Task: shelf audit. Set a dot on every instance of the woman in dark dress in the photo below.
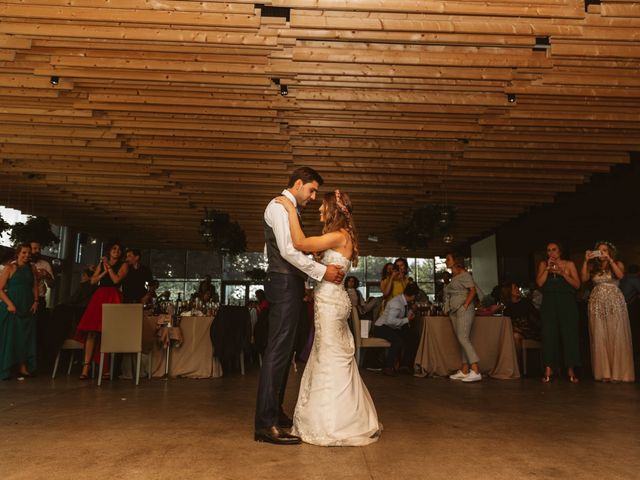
(108, 275)
(525, 319)
(19, 295)
(559, 281)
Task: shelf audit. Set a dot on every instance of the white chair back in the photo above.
(121, 333)
(121, 328)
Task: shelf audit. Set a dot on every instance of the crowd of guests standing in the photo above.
(552, 317)
(28, 334)
(549, 315)
(608, 313)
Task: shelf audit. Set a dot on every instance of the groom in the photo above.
(284, 287)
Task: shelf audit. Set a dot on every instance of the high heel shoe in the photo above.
(573, 379)
(547, 379)
(84, 376)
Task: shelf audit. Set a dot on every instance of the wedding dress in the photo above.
(334, 407)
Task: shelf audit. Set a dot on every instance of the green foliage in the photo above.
(4, 225)
(224, 236)
(256, 274)
(36, 229)
(423, 224)
(374, 266)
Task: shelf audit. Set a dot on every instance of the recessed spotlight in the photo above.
(54, 80)
(511, 97)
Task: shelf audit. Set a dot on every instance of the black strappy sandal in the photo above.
(82, 375)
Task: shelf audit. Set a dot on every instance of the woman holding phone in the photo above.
(609, 329)
(559, 281)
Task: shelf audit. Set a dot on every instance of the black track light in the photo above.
(54, 80)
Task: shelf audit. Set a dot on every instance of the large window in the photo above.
(236, 279)
(181, 271)
(422, 270)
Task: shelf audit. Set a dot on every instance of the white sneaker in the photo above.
(472, 377)
(459, 375)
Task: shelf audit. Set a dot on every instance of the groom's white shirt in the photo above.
(276, 216)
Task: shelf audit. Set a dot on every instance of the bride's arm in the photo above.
(309, 244)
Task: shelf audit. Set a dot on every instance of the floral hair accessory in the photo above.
(341, 205)
(611, 246)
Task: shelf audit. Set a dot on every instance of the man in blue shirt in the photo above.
(393, 325)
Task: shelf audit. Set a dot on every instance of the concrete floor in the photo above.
(434, 429)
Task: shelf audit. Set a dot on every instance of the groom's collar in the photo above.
(290, 196)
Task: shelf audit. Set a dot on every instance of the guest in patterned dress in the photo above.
(609, 329)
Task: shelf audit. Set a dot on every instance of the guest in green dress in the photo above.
(19, 295)
(559, 281)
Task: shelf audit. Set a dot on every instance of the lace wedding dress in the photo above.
(334, 407)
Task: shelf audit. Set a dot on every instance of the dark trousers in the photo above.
(45, 343)
(634, 319)
(394, 336)
(284, 293)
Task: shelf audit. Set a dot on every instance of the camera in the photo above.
(396, 268)
(596, 253)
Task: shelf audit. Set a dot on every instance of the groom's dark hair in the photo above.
(306, 174)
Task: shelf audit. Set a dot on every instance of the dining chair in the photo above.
(371, 342)
(528, 344)
(121, 333)
(231, 334)
(72, 346)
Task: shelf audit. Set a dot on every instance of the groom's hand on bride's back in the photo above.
(334, 274)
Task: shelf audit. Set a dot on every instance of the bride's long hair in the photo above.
(338, 215)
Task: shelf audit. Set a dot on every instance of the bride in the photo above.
(334, 407)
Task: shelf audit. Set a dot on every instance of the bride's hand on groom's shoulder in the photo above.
(285, 202)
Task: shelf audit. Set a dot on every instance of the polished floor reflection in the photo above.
(434, 429)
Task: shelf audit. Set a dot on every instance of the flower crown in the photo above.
(343, 208)
(607, 243)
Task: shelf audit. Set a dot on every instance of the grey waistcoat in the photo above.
(276, 262)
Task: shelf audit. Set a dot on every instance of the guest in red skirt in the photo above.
(108, 275)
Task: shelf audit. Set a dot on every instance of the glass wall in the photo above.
(236, 279)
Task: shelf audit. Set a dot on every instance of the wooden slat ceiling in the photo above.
(166, 107)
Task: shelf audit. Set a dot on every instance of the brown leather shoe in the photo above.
(277, 436)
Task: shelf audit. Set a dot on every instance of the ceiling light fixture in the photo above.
(284, 91)
(511, 97)
(54, 80)
(542, 44)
